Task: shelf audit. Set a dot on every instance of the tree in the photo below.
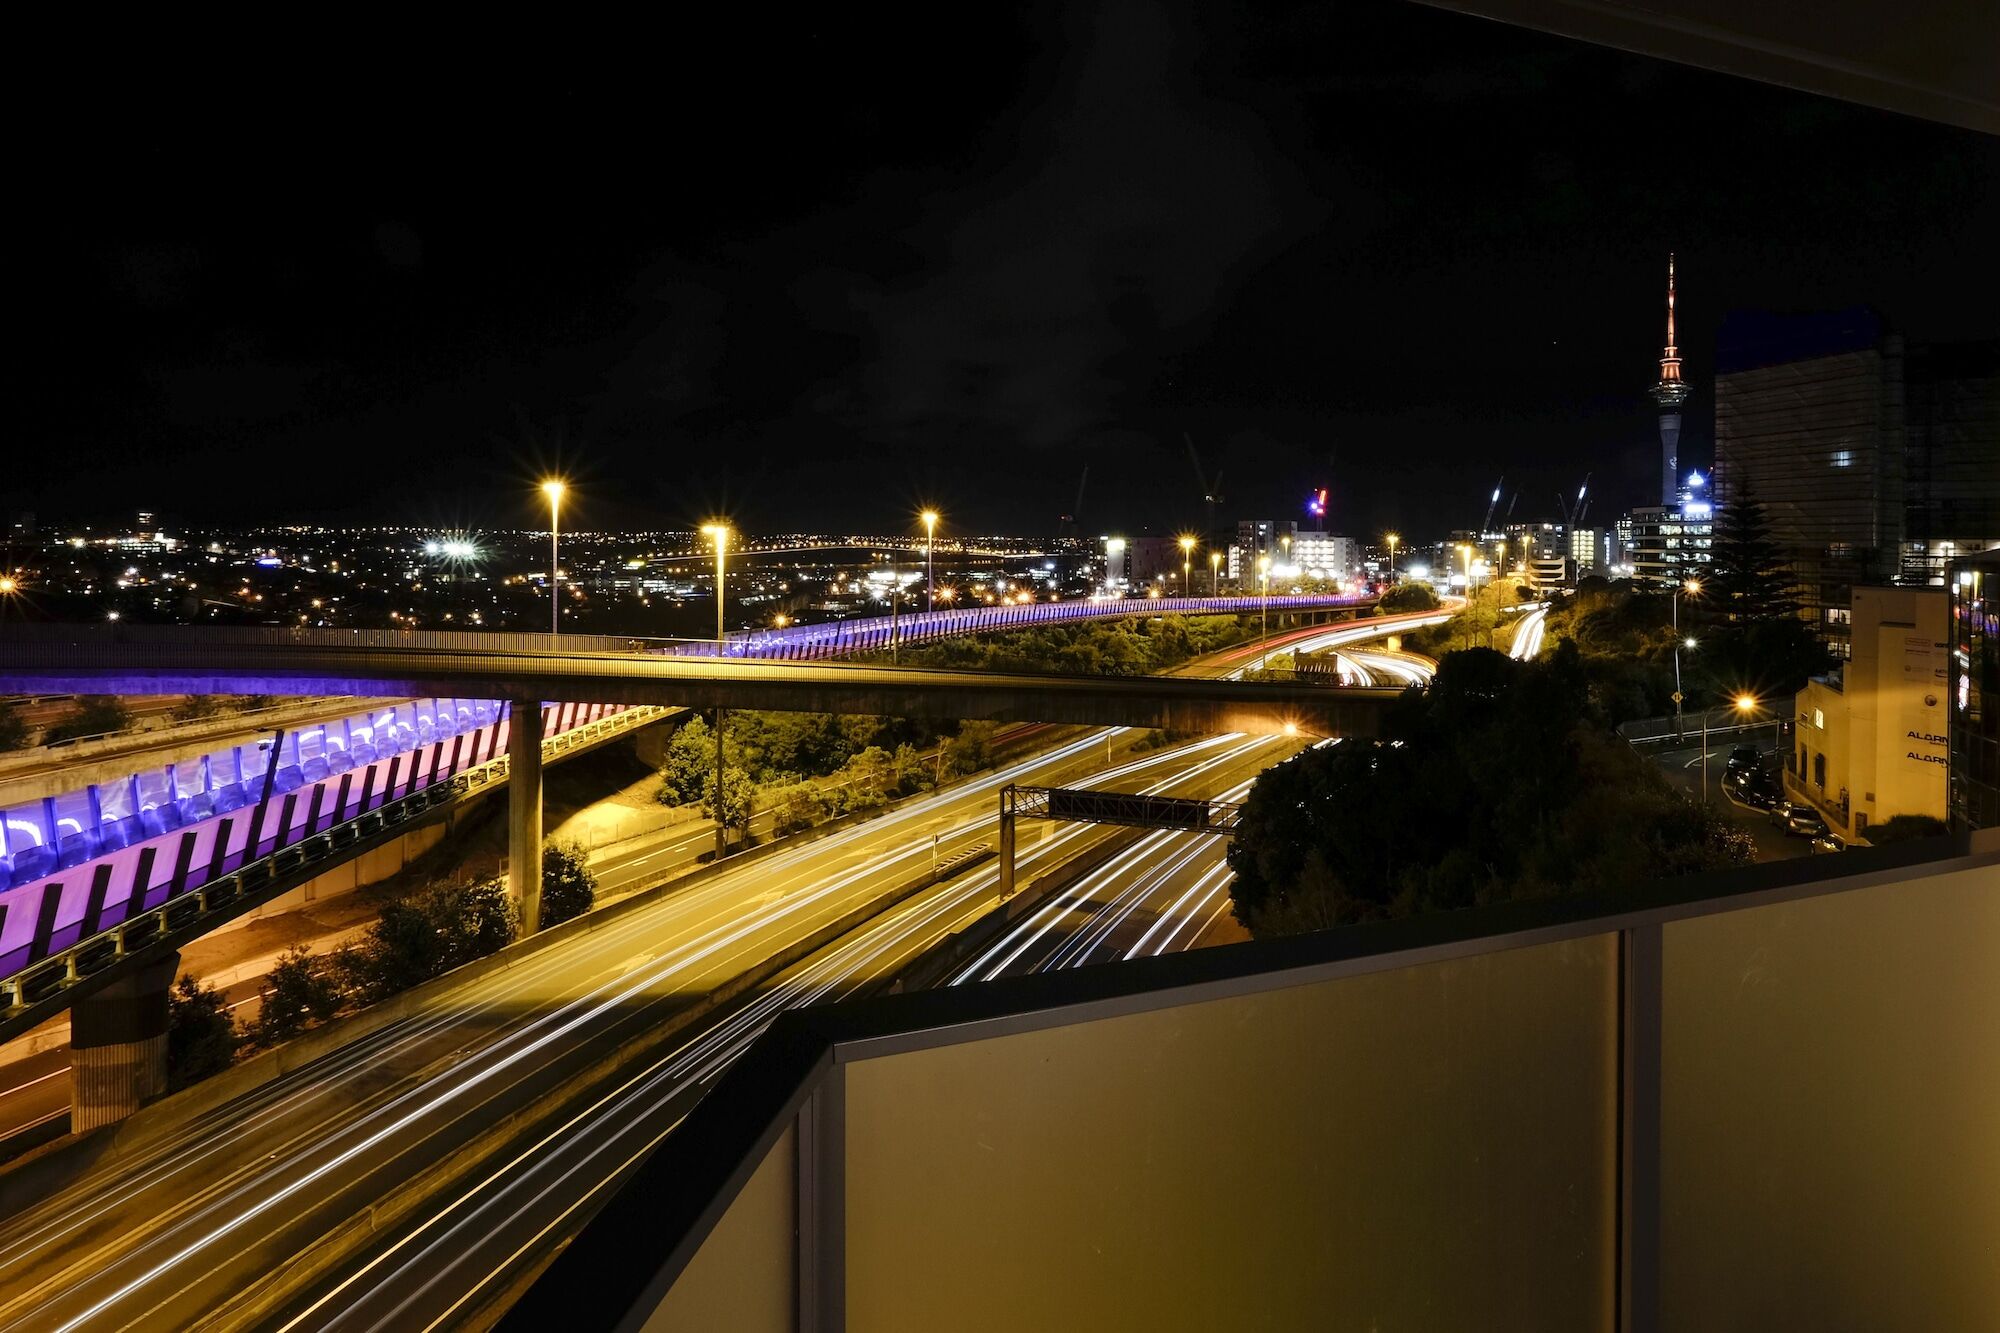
(426, 935)
(739, 798)
(690, 764)
(1424, 819)
(201, 1033)
(13, 729)
(94, 715)
(299, 991)
(568, 888)
(1408, 597)
(797, 807)
(1748, 582)
(196, 707)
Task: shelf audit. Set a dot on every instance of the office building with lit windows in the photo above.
(1875, 462)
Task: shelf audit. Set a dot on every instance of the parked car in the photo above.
(1751, 787)
(1805, 822)
(1783, 810)
(1743, 758)
(1826, 843)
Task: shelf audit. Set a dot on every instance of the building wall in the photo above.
(1873, 746)
(1821, 442)
(1974, 693)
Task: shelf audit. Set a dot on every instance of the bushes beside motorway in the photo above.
(1123, 647)
(1501, 781)
(416, 938)
(807, 767)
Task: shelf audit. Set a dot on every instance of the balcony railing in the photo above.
(1761, 1099)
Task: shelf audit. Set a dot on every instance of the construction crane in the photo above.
(1486, 524)
(1211, 490)
(1573, 513)
(1070, 524)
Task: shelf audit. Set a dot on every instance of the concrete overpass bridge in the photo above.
(106, 929)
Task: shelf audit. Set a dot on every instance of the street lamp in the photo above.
(1214, 572)
(1692, 588)
(719, 534)
(554, 490)
(1187, 565)
(930, 518)
(1393, 539)
(1264, 582)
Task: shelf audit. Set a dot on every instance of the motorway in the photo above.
(412, 1177)
(1529, 633)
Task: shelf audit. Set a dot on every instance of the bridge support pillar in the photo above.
(118, 1046)
(524, 812)
(1007, 841)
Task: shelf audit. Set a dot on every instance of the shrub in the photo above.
(13, 729)
(568, 888)
(201, 1033)
(94, 715)
(299, 992)
(426, 935)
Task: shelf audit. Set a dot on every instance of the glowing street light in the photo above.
(1187, 565)
(1691, 588)
(1393, 540)
(554, 488)
(930, 519)
(1746, 703)
(718, 533)
(1264, 608)
(1214, 571)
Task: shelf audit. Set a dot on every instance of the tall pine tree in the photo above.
(1748, 583)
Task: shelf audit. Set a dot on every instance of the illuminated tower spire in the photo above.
(1669, 394)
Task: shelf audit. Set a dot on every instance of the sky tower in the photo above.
(1670, 393)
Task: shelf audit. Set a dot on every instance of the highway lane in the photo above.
(1529, 634)
(170, 1236)
(474, 1244)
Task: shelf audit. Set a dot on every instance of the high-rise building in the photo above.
(1669, 393)
(1973, 692)
(1669, 544)
(1874, 463)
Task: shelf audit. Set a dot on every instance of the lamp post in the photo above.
(719, 533)
(1264, 606)
(1393, 540)
(1187, 566)
(1214, 572)
(1692, 588)
(930, 518)
(554, 490)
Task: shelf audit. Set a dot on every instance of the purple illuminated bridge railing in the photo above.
(76, 865)
(802, 643)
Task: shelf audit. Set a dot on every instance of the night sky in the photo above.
(812, 277)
